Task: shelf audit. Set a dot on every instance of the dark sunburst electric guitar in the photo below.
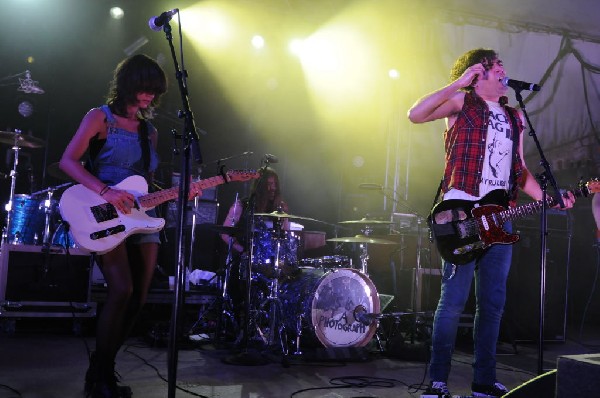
(464, 229)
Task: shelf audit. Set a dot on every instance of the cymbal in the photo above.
(366, 221)
(363, 239)
(54, 171)
(281, 214)
(20, 140)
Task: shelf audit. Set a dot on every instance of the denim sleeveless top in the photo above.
(121, 155)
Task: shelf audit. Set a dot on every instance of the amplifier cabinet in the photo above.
(44, 282)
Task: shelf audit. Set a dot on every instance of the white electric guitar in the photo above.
(99, 227)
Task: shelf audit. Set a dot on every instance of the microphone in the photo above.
(271, 158)
(370, 186)
(364, 317)
(156, 23)
(519, 85)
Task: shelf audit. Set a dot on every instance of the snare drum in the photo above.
(27, 221)
(325, 302)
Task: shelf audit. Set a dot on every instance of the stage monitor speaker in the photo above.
(542, 386)
(578, 376)
(30, 274)
(45, 282)
(523, 286)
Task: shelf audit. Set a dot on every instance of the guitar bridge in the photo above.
(468, 248)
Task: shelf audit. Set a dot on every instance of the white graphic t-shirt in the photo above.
(498, 155)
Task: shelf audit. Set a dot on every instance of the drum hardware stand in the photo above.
(226, 305)
(272, 302)
(247, 357)
(13, 183)
(364, 252)
(48, 210)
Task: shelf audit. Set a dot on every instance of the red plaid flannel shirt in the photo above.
(465, 145)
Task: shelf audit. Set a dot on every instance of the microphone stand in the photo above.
(190, 146)
(544, 178)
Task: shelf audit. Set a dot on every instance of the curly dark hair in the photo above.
(485, 56)
(138, 73)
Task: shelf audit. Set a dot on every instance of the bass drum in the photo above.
(325, 301)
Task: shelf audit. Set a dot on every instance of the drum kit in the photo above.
(323, 301)
(33, 219)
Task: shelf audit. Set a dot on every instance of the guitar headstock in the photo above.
(242, 175)
(592, 186)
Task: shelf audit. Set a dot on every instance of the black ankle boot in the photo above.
(103, 384)
(91, 375)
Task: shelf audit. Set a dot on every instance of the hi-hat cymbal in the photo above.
(54, 171)
(363, 239)
(281, 214)
(366, 221)
(20, 140)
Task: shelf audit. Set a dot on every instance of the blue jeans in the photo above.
(491, 272)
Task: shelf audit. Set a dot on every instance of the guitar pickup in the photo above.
(104, 212)
(107, 232)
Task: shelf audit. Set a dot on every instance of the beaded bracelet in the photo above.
(104, 190)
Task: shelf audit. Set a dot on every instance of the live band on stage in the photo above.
(306, 288)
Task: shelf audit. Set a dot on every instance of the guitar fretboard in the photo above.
(155, 198)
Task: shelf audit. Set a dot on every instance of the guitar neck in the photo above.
(156, 198)
(529, 209)
(534, 207)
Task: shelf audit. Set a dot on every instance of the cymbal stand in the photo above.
(13, 183)
(226, 310)
(272, 302)
(48, 210)
(364, 252)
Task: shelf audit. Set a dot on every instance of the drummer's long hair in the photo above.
(259, 187)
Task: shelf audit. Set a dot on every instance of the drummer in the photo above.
(267, 199)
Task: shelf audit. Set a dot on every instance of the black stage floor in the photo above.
(47, 358)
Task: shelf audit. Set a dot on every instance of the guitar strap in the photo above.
(429, 217)
(144, 143)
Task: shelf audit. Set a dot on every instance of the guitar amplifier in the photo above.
(204, 212)
(35, 282)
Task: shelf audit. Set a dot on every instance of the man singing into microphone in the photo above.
(484, 152)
